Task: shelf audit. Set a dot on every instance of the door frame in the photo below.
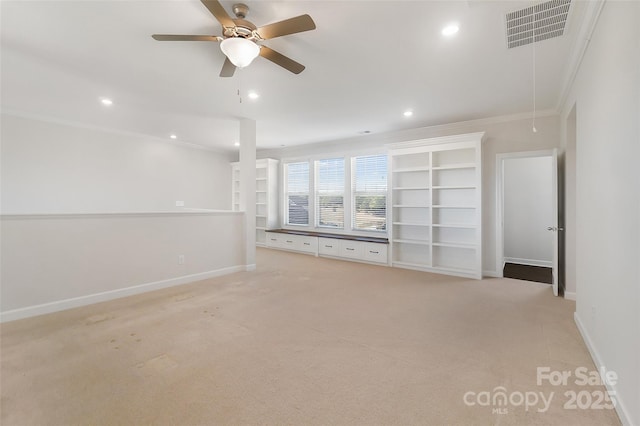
(500, 159)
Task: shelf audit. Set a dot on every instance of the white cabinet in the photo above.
(289, 243)
(329, 247)
(273, 240)
(374, 252)
(363, 251)
(266, 195)
(307, 244)
(436, 204)
(302, 243)
(351, 249)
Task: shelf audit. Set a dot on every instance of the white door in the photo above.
(529, 234)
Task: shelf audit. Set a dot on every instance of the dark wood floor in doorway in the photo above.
(539, 274)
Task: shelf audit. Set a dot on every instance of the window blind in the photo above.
(297, 193)
(369, 183)
(330, 192)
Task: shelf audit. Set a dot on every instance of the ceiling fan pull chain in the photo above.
(533, 44)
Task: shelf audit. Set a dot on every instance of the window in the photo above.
(345, 194)
(369, 183)
(330, 192)
(297, 193)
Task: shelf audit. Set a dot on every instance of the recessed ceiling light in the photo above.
(253, 95)
(106, 101)
(408, 113)
(236, 144)
(450, 29)
(173, 137)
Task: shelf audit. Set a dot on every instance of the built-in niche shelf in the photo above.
(266, 196)
(436, 205)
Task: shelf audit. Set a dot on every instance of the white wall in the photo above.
(528, 210)
(606, 93)
(54, 262)
(56, 168)
(570, 205)
(503, 135)
(68, 235)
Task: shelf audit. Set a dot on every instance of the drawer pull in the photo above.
(350, 249)
(328, 246)
(307, 244)
(289, 241)
(273, 239)
(374, 252)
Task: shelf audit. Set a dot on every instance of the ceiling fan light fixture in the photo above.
(240, 51)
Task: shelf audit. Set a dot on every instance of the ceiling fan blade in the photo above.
(218, 11)
(280, 59)
(288, 26)
(227, 68)
(173, 37)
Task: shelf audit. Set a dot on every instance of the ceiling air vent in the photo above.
(550, 19)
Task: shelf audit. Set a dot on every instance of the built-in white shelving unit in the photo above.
(266, 195)
(436, 205)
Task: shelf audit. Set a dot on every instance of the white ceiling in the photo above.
(367, 62)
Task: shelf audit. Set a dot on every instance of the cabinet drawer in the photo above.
(289, 242)
(351, 249)
(374, 252)
(329, 246)
(274, 240)
(307, 244)
(301, 243)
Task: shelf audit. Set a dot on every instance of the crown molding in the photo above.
(69, 123)
(579, 48)
(466, 137)
(394, 136)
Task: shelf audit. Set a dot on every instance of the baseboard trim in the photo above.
(250, 268)
(569, 295)
(491, 274)
(620, 408)
(61, 305)
(529, 262)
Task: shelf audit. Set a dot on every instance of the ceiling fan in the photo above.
(240, 38)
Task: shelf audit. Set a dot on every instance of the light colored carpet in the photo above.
(300, 341)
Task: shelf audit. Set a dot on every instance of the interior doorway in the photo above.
(527, 228)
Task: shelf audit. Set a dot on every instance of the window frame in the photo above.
(348, 198)
(286, 218)
(355, 193)
(341, 193)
